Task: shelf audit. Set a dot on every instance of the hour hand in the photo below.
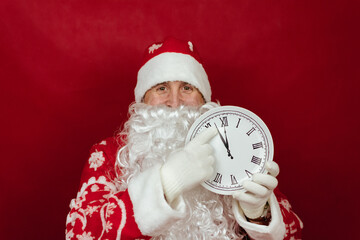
(226, 139)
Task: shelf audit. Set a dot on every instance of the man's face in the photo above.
(174, 94)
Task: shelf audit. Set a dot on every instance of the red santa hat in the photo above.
(172, 60)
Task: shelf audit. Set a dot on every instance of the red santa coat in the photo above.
(100, 211)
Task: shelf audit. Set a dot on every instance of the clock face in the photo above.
(242, 147)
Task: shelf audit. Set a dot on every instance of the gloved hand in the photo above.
(186, 168)
(258, 191)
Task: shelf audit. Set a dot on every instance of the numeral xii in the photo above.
(224, 122)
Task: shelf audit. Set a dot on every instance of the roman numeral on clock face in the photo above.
(237, 125)
(224, 122)
(249, 174)
(207, 125)
(233, 180)
(256, 160)
(257, 145)
(218, 178)
(250, 131)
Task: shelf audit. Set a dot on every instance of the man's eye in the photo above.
(161, 88)
(188, 88)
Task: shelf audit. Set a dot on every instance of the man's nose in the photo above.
(174, 99)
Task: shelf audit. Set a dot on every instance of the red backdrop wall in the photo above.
(68, 70)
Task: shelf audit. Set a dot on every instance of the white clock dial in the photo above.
(242, 147)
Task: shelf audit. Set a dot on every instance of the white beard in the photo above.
(150, 135)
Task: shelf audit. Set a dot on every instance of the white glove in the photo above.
(258, 191)
(186, 168)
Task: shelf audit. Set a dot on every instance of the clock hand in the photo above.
(222, 139)
(225, 143)
(226, 139)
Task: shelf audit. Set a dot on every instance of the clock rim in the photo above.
(255, 119)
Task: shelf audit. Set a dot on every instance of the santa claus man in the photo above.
(145, 182)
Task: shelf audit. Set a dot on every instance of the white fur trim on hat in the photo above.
(171, 66)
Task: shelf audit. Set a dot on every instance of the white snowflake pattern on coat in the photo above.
(285, 203)
(108, 226)
(110, 209)
(78, 201)
(69, 235)
(81, 197)
(85, 236)
(91, 209)
(291, 228)
(96, 159)
(94, 188)
(114, 216)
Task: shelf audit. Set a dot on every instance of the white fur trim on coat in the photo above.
(170, 66)
(274, 231)
(152, 213)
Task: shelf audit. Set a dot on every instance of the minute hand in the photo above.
(226, 144)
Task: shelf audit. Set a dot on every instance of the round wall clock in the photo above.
(242, 147)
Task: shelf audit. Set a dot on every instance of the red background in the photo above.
(68, 70)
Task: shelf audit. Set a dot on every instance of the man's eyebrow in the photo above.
(186, 83)
(159, 84)
(163, 83)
